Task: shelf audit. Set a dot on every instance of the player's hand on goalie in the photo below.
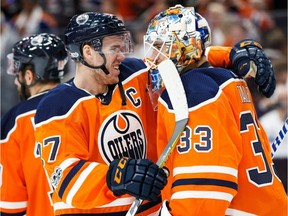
(140, 178)
(248, 59)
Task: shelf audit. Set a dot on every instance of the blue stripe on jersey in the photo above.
(130, 66)
(58, 101)
(13, 214)
(69, 176)
(9, 119)
(201, 84)
(205, 181)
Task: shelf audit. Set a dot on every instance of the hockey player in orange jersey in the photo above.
(222, 162)
(97, 119)
(89, 127)
(37, 62)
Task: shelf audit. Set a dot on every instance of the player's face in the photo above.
(112, 48)
(155, 52)
(159, 52)
(16, 82)
(20, 78)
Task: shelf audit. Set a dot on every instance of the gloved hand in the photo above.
(248, 59)
(140, 178)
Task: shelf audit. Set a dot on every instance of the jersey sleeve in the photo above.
(21, 190)
(66, 150)
(14, 197)
(218, 56)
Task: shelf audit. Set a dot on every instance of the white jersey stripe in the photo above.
(79, 182)
(234, 212)
(13, 205)
(66, 163)
(202, 195)
(205, 169)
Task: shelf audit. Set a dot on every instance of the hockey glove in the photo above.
(248, 59)
(140, 178)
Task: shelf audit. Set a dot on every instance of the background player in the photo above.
(37, 62)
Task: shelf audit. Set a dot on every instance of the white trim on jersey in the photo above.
(205, 169)
(13, 205)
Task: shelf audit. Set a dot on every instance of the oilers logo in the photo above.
(122, 135)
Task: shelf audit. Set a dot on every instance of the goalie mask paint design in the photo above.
(177, 33)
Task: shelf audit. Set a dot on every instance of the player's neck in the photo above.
(90, 85)
(38, 88)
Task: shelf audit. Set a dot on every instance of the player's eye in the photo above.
(116, 50)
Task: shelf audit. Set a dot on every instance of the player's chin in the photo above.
(113, 80)
(116, 71)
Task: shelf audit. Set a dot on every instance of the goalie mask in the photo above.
(177, 33)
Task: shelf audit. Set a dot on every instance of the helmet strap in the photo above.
(122, 93)
(103, 67)
(105, 70)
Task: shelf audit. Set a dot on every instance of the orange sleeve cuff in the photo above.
(218, 56)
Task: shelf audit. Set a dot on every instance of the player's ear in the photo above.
(91, 56)
(29, 77)
(87, 51)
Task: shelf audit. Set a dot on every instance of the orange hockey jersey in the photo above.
(16, 197)
(24, 183)
(222, 163)
(80, 134)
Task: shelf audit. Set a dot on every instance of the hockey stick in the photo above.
(279, 138)
(175, 89)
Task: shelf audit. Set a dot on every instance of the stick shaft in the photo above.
(279, 138)
(177, 96)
